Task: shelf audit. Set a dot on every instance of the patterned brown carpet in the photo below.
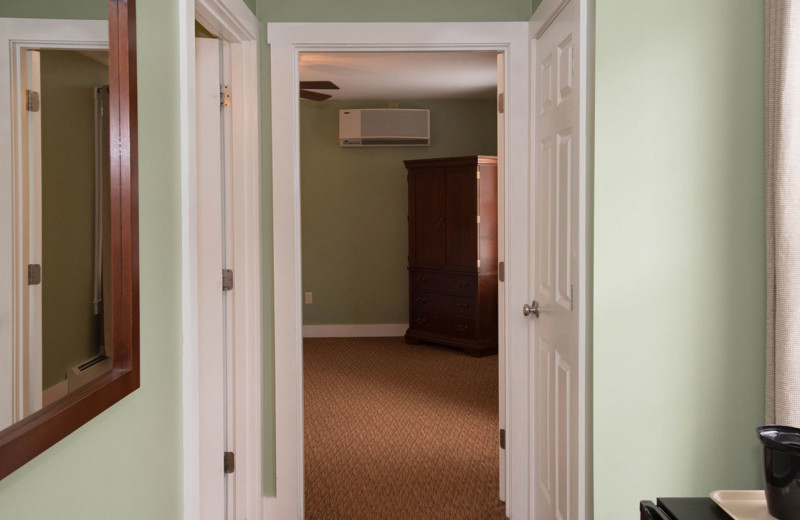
(396, 431)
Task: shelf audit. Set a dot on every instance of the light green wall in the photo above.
(60, 9)
(355, 206)
(324, 11)
(126, 463)
(679, 298)
(392, 11)
(69, 326)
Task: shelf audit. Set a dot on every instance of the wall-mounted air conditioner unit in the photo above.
(384, 127)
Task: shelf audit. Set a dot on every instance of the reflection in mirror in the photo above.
(74, 281)
(56, 338)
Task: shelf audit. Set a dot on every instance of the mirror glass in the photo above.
(57, 337)
(75, 220)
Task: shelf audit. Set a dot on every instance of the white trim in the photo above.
(269, 509)
(375, 330)
(545, 13)
(16, 36)
(287, 40)
(235, 23)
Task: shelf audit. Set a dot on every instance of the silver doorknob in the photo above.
(533, 308)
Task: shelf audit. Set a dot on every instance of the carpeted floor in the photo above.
(396, 431)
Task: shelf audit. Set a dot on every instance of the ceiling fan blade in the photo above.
(313, 96)
(319, 85)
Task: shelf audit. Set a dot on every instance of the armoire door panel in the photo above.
(461, 228)
(429, 209)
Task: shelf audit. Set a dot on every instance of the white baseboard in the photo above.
(55, 392)
(378, 330)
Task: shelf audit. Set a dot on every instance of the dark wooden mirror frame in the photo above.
(24, 440)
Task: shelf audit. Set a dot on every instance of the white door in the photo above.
(554, 335)
(501, 288)
(29, 364)
(215, 303)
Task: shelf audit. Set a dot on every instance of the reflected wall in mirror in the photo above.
(68, 230)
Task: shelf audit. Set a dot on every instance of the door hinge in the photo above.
(478, 174)
(227, 279)
(501, 103)
(228, 463)
(479, 263)
(479, 219)
(34, 274)
(32, 101)
(502, 439)
(501, 271)
(224, 96)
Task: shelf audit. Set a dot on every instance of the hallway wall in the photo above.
(126, 463)
(679, 292)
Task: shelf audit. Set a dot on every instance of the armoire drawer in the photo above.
(444, 303)
(442, 324)
(434, 281)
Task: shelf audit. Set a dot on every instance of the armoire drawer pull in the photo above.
(422, 279)
(462, 327)
(422, 299)
(463, 306)
(422, 321)
(463, 284)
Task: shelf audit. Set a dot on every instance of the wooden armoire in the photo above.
(452, 252)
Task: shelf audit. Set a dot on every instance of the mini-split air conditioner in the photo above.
(384, 127)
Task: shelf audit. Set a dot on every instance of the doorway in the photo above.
(357, 222)
(288, 336)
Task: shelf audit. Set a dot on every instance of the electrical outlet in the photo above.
(308, 298)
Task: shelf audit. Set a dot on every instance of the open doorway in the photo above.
(390, 405)
(286, 42)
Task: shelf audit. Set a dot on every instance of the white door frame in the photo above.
(541, 19)
(232, 21)
(287, 41)
(17, 35)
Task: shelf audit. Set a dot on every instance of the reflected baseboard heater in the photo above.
(89, 370)
(365, 127)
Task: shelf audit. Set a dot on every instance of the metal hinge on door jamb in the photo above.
(229, 462)
(224, 96)
(34, 274)
(227, 279)
(502, 438)
(32, 101)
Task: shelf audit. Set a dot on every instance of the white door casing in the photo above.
(287, 41)
(233, 22)
(558, 343)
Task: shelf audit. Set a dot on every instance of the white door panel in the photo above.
(555, 332)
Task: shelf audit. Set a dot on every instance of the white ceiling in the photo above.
(404, 75)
